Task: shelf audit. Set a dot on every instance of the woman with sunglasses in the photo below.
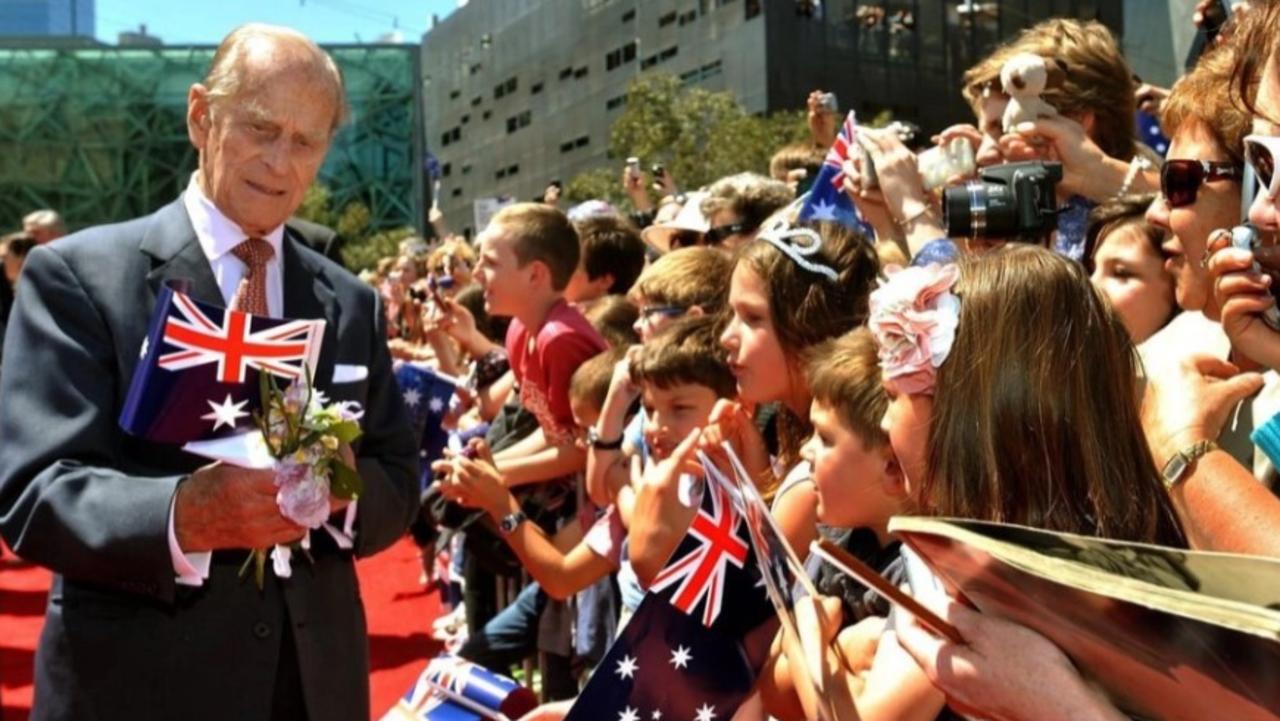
(1200, 182)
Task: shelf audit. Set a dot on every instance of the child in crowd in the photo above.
(527, 255)
(796, 286)
(688, 282)
(1122, 254)
(610, 259)
(680, 374)
(859, 488)
(1003, 419)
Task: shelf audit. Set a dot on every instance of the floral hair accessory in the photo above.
(914, 316)
(781, 234)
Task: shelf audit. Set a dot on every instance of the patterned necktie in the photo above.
(251, 295)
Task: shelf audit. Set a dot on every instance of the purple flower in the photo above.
(303, 496)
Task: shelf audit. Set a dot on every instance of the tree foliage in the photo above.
(362, 247)
(697, 134)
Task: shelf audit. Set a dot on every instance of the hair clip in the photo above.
(780, 235)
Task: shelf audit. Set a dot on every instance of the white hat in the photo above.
(689, 219)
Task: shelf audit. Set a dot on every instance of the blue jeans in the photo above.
(511, 636)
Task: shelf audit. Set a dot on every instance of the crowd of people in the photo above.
(1086, 381)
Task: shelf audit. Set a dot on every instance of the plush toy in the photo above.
(1024, 77)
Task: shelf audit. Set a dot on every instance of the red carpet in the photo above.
(399, 615)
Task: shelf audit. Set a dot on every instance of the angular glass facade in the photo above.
(99, 134)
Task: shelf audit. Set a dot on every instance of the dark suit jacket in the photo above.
(121, 639)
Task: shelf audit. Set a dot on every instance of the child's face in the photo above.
(585, 415)
(858, 486)
(673, 413)
(907, 422)
(499, 274)
(653, 317)
(755, 355)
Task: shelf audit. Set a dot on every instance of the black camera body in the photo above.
(1015, 201)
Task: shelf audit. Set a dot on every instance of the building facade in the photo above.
(43, 18)
(100, 134)
(522, 92)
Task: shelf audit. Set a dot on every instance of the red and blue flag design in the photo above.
(827, 200)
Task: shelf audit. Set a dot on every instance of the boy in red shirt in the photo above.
(527, 256)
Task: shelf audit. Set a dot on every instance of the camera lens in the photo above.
(965, 209)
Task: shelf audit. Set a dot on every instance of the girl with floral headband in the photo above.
(1013, 399)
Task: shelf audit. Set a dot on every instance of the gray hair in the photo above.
(751, 196)
(46, 218)
(226, 77)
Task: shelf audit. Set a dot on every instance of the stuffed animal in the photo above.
(1024, 77)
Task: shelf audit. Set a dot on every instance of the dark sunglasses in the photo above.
(717, 234)
(1180, 180)
(684, 239)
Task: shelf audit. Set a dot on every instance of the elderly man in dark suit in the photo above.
(148, 617)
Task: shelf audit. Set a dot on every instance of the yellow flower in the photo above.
(329, 442)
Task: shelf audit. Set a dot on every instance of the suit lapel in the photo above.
(308, 295)
(176, 255)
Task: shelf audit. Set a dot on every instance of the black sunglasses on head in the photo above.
(717, 234)
(1180, 180)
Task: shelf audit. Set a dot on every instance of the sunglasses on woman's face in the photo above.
(1180, 180)
(1260, 153)
(684, 239)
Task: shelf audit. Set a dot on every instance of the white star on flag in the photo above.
(706, 712)
(656, 715)
(629, 714)
(681, 657)
(225, 413)
(411, 397)
(436, 405)
(823, 211)
(627, 667)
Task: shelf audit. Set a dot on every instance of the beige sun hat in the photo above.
(689, 219)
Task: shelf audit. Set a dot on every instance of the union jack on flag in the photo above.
(699, 576)
(233, 345)
(826, 199)
(197, 372)
(451, 689)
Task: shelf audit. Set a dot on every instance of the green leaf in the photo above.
(345, 483)
(346, 431)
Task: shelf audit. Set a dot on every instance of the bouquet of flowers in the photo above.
(307, 435)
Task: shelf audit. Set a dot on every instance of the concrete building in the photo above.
(44, 18)
(521, 92)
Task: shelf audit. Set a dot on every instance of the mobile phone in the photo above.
(1246, 237)
(828, 102)
(633, 167)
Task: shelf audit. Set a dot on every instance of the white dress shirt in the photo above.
(218, 235)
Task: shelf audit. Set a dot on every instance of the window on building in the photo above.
(566, 73)
(648, 62)
(615, 102)
(688, 17)
(667, 19)
(476, 101)
(566, 146)
(537, 88)
(457, 192)
(446, 169)
(628, 16)
(476, 68)
(751, 9)
(513, 170)
(516, 122)
(486, 115)
(669, 53)
(629, 52)
(612, 60)
(582, 142)
(581, 72)
(453, 94)
(466, 169)
(502, 173)
(512, 125)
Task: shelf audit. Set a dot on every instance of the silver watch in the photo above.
(511, 522)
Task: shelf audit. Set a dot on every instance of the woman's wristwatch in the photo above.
(1175, 471)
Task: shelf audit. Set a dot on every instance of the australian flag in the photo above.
(1150, 133)
(426, 394)
(198, 373)
(687, 653)
(451, 689)
(827, 199)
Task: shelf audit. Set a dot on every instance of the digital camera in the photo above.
(1015, 201)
